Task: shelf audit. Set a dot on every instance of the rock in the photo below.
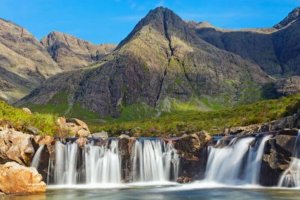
(103, 135)
(74, 127)
(82, 141)
(72, 53)
(17, 179)
(276, 158)
(184, 179)
(125, 150)
(27, 110)
(193, 152)
(32, 130)
(16, 146)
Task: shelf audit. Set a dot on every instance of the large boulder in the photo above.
(16, 146)
(17, 179)
(74, 127)
(193, 152)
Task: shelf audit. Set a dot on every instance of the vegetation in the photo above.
(171, 118)
(181, 121)
(21, 120)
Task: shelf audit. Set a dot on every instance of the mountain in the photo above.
(72, 53)
(24, 62)
(275, 50)
(163, 58)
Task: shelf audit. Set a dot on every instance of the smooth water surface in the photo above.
(179, 192)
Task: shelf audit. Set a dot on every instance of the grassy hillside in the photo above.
(185, 120)
(172, 118)
(21, 120)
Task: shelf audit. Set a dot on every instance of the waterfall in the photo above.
(37, 156)
(291, 176)
(153, 160)
(237, 163)
(65, 163)
(100, 162)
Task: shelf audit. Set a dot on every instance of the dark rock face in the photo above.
(275, 50)
(288, 86)
(276, 159)
(125, 150)
(193, 152)
(292, 17)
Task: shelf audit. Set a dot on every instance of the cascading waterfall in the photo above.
(154, 160)
(99, 162)
(102, 164)
(37, 156)
(291, 176)
(65, 163)
(228, 164)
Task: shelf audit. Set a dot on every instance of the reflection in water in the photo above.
(166, 193)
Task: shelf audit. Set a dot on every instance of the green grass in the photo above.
(172, 117)
(59, 105)
(188, 121)
(19, 119)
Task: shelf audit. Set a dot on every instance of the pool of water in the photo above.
(193, 191)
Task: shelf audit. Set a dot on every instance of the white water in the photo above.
(65, 163)
(227, 164)
(37, 156)
(102, 164)
(154, 161)
(291, 176)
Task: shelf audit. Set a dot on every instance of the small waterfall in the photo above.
(154, 160)
(37, 156)
(102, 164)
(228, 164)
(291, 176)
(254, 161)
(65, 163)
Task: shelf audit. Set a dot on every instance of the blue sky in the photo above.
(109, 21)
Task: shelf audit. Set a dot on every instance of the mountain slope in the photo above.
(24, 62)
(72, 53)
(275, 49)
(161, 59)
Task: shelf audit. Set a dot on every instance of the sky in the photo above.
(110, 21)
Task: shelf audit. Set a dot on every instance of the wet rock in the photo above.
(74, 127)
(82, 141)
(16, 146)
(125, 150)
(193, 152)
(17, 179)
(276, 158)
(184, 179)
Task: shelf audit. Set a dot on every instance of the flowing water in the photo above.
(291, 177)
(238, 163)
(95, 172)
(36, 159)
(153, 160)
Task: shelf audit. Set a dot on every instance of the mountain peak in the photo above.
(292, 17)
(159, 18)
